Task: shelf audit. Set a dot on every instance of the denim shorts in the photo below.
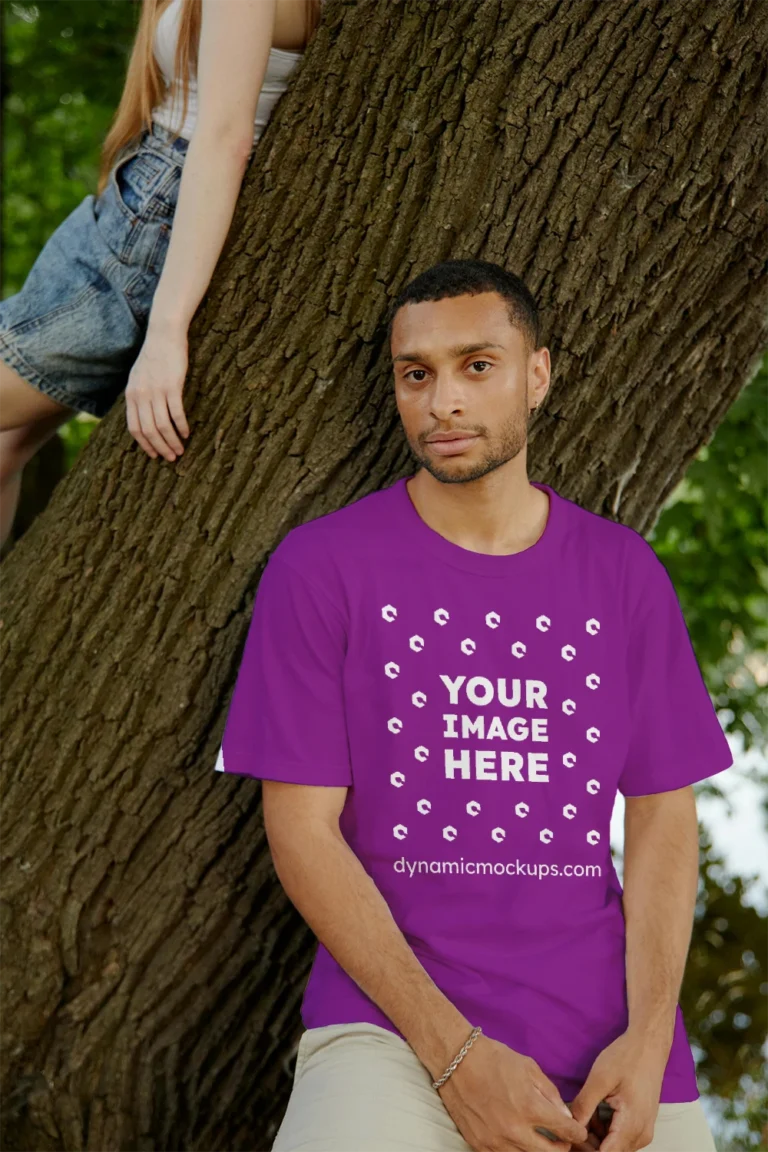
(78, 323)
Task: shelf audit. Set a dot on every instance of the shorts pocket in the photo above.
(139, 238)
(126, 157)
(146, 186)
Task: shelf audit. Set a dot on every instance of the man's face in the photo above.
(460, 366)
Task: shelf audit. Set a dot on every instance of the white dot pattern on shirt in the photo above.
(468, 646)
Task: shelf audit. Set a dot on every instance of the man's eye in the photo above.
(423, 371)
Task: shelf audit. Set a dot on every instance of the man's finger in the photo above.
(560, 1121)
(587, 1099)
(623, 1132)
(560, 1136)
(548, 1090)
(592, 1142)
(555, 1125)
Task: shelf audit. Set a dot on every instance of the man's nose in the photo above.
(447, 398)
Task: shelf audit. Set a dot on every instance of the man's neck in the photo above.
(498, 514)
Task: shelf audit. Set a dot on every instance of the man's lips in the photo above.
(451, 443)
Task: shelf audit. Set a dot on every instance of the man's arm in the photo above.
(339, 901)
(661, 868)
(495, 1093)
(661, 863)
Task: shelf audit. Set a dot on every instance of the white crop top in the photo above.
(280, 63)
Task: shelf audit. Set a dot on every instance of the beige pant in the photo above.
(361, 1088)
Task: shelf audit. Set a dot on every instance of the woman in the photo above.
(108, 302)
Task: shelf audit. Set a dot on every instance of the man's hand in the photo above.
(498, 1098)
(627, 1075)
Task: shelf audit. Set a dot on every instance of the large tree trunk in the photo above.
(610, 154)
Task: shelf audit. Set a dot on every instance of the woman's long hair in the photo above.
(145, 85)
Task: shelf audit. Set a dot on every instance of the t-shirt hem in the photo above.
(312, 1018)
(677, 1089)
(652, 788)
(298, 774)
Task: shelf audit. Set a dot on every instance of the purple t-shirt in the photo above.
(482, 710)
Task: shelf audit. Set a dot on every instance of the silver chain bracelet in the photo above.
(457, 1059)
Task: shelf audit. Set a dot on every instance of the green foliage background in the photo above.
(63, 68)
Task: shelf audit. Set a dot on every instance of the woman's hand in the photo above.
(153, 393)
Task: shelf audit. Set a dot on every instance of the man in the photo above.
(443, 686)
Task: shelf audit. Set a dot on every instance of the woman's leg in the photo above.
(27, 419)
(22, 404)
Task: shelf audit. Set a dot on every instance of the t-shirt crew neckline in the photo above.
(484, 563)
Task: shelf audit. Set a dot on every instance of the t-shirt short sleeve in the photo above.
(286, 719)
(675, 736)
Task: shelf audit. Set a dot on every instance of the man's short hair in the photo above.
(462, 277)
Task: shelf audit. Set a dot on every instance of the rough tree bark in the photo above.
(612, 155)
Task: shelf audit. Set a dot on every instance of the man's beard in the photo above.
(511, 440)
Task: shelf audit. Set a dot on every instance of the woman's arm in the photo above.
(235, 39)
